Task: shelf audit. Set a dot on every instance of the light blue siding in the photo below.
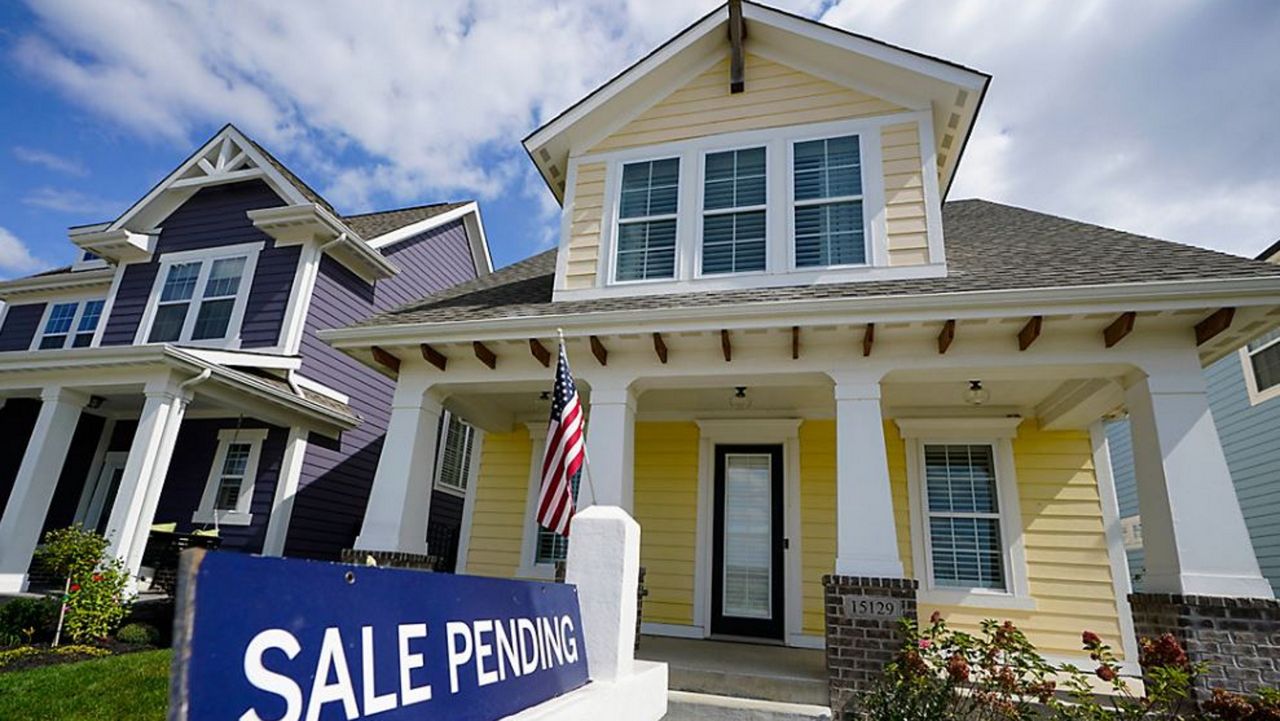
(1251, 439)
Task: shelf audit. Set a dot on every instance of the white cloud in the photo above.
(15, 257)
(72, 201)
(50, 161)
(1134, 114)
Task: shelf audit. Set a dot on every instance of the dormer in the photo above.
(757, 149)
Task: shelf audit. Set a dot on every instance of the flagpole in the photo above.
(586, 457)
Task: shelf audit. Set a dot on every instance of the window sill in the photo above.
(963, 597)
(451, 490)
(222, 518)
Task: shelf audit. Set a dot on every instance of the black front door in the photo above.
(747, 583)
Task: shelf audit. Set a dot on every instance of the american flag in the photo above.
(565, 452)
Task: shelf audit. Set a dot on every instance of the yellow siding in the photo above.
(1068, 566)
(497, 523)
(818, 510)
(775, 96)
(666, 506)
(584, 226)
(904, 194)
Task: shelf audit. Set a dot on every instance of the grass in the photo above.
(132, 686)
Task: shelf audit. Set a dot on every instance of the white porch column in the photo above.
(144, 472)
(35, 483)
(1194, 535)
(400, 501)
(295, 449)
(866, 538)
(611, 425)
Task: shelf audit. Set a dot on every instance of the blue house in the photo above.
(170, 382)
(1244, 395)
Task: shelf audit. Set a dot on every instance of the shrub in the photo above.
(26, 620)
(10, 655)
(138, 634)
(96, 599)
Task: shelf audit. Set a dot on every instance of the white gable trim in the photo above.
(470, 216)
(233, 150)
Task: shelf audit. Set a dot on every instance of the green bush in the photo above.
(27, 620)
(97, 599)
(138, 634)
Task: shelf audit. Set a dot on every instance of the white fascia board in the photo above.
(469, 213)
(246, 359)
(1164, 295)
(71, 280)
(351, 249)
(119, 244)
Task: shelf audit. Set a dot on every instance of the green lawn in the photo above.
(134, 686)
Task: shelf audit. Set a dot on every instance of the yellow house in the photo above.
(813, 379)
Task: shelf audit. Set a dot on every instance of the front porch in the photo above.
(146, 444)
(775, 471)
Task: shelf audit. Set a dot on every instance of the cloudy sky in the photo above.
(1155, 116)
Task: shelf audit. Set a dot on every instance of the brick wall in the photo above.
(861, 645)
(390, 559)
(1239, 638)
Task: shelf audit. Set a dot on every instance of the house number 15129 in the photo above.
(872, 607)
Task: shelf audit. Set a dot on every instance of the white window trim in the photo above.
(1257, 396)
(80, 302)
(700, 217)
(780, 268)
(241, 516)
(439, 484)
(874, 254)
(207, 257)
(998, 433)
(616, 219)
(529, 567)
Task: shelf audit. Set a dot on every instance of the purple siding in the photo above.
(213, 217)
(189, 472)
(336, 476)
(20, 326)
(18, 419)
(75, 471)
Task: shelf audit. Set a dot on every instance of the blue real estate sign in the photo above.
(260, 639)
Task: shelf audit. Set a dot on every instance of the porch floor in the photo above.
(741, 670)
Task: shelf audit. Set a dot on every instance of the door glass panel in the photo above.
(748, 536)
(104, 514)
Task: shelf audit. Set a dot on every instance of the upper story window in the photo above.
(1262, 366)
(70, 325)
(734, 212)
(647, 213)
(200, 296)
(827, 186)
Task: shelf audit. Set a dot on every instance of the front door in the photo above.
(105, 487)
(747, 584)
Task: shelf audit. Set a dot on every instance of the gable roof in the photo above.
(954, 92)
(990, 247)
(372, 225)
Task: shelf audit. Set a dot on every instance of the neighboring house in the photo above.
(1244, 393)
(797, 360)
(172, 376)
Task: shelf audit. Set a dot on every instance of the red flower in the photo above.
(97, 578)
(1165, 651)
(75, 587)
(935, 617)
(1090, 639)
(1106, 673)
(958, 668)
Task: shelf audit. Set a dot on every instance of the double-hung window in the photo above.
(647, 208)
(827, 193)
(962, 511)
(454, 466)
(228, 492)
(199, 298)
(1263, 363)
(734, 212)
(71, 324)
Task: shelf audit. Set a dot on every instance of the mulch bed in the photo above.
(46, 655)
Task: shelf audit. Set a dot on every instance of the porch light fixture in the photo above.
(976, 395)
(740, 401)
(95, 402)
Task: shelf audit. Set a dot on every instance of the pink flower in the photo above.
(925, 643)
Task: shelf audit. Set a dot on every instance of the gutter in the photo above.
(968, 304)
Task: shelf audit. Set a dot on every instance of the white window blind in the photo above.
(964, 516)
(647, 220)
(827, 184)
(734, 212)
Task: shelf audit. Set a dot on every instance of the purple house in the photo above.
(170, 382)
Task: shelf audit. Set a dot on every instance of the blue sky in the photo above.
(1152, 116)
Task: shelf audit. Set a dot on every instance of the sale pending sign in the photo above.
(267, 639)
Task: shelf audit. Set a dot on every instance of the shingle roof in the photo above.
(306, 190)
(989, 247)
(371, 225)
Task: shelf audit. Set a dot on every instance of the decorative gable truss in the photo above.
(226, 162)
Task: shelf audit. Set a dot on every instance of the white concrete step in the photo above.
(690, 706)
